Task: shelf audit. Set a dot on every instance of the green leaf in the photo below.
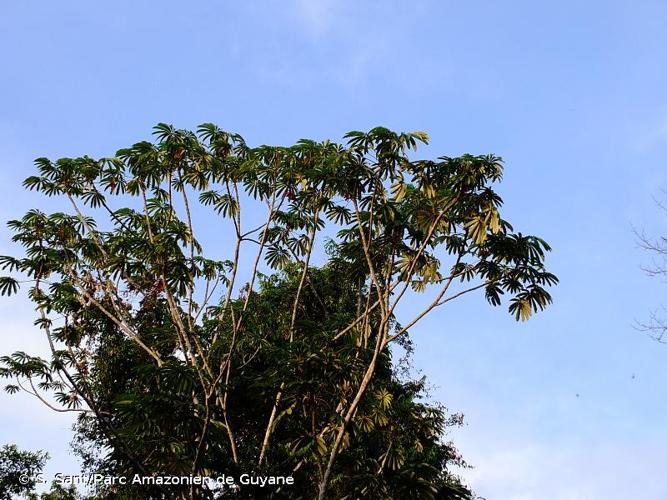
(8, 286)
(9, 262)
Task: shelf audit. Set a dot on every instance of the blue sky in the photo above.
(571, 94)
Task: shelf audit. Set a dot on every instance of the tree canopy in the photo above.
(217, 308)
(19, 470)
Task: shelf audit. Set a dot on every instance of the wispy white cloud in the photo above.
(335, 39)
(317, 16)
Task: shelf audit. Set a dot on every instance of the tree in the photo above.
(186, 361)
(58, 492)
(19, 470)
(656, 326)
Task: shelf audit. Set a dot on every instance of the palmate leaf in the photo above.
(209, 197)
(398, 190)
(33, 182)
(94, 199)
(226, 205)
(477, 228)
(339, 214)
(9, 263)
(299, 246)
(365, 423)
(384, 398)
(68, 399)
(12, 389)
(493, 291)
(277, 257)
(521, 308)
(393, 458)
(420, 136)
(8, 285)
(419, 285)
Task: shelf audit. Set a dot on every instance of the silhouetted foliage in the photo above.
(19, 470)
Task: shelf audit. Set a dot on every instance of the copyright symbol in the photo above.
(24, 479)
